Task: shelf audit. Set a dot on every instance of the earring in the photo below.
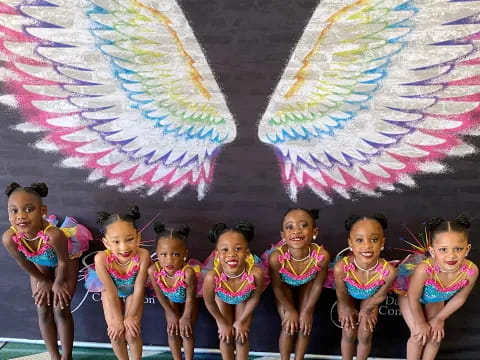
(44, 216)
(314, 237)
(185, 258)
(381, 249)
(350, 248)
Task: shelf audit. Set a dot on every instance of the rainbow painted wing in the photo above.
(120, 87)
(374, 92)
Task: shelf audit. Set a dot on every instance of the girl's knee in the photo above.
(62, 314)
(364, 337)
(349, 336)
(131, 339)
(45, 313)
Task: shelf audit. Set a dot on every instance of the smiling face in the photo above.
(449, 249)
(25, 211)
(171, 253)
(232, 251)
(366, 240)
(122, 239)
(298, 229)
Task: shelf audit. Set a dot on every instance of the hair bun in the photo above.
(314, 213)
(463, 220)
(382, 219)
(11, 188)
(102, 216)
(246, 228)
(158, 227)
(215, 232)
(134, 212)
(40, 188)
(352, 219)
(183, 229)
(433, 222)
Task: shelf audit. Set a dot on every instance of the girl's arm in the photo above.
(134, 314)
(451, 306)
(185, 321)
(290, 317)
(372, 302)
(241, 331)
(347, 313)
(111, 302)
(61, 294)
(415, 290)
(44, 284)
(170, 315)
(306, 313)
(225, 330)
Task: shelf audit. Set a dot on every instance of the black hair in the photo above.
(38, 189)
(312, 212)
(244, 228)
(436, 225)
(180, 233)
(104, 218)
(352, 220)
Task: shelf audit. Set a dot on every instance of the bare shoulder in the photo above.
(257, 271)
(209, 277)
(273, 258)
(55, 234)
(7, 237)
(392, 269)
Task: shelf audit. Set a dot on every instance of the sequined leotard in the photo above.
(287, 272)
(355, 287)
(226, 293)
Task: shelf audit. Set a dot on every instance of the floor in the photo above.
(20, 351)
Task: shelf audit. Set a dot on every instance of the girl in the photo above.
(174, 282)
(298, 267)
(41, 250)
(365, 276)
(121, 273)
(445, 275)
(232, 289)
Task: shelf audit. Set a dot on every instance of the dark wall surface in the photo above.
(247, 44)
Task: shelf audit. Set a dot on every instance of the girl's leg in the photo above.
(227, 349)
(414, 348)
(46, 322)
(347, 344)
(302, 339)
(189, 343)
(432, 347)
(135, 343)
(64, 316)
(174, 341)
(364, 339)
(242, 348)
(285, 341)
(119, 345)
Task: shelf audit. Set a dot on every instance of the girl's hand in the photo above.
(61, 295)
(290, 322)
(115, 329)
(422, 332)
(132, 326)
(368, 319)
(347, 316)
(305, 321)
(437, 330)
(225, 332)
(185, 324)
(173, 328)
(43, 293)
(241, 331)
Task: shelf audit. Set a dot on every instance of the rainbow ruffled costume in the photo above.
(223, 289)
(124, 281)
(288, 274)
(355, 287)
(77, 235)
(176, 293)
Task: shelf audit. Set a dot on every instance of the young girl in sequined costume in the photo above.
(446, 275)
(120, 273)
(42, 250)
(232, 289)
(298, 268)
(365, 276)
(174, 281)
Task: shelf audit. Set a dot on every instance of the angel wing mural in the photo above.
(375, 92)
(119, 87)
